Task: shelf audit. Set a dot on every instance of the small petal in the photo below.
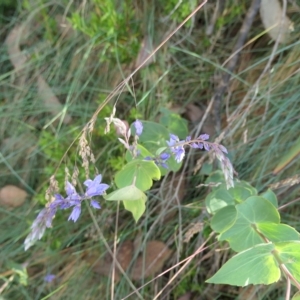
(179, 154)
(164, 165)
(196, 145)
(206, 146)
(89, 182)
(75, 213)
(70, 189)
(188, 138)
(50, 216)
(124, 143)
(203, 137)
(138, 127)
(174, 137)
(165, 156)
(95, 204)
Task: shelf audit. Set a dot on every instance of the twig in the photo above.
(288, 289)
(221, 88)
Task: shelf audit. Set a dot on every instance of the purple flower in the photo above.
(60, 201)
(49, 277)
(173, 140)
(95, 187)
(76, 211)
(164, 165)
(206, 146)
(95, 204)
(71, 192)
(38, 227)
(164, 156)
(138, 127)
(197, 145)
(179, 153)
(73, 199)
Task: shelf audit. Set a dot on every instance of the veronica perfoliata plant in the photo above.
(250, 223)
(152, 151)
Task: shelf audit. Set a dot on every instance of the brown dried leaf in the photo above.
(271, 16)
(194, 113)
(104, 265)
(195, 228)
(147, 264)
(186, 296)
(152, 261)
(50, 100)
(12, 196)
(19, 59)
(16, 56)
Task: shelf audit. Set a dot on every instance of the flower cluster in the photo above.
(177, 148)
(73, 200)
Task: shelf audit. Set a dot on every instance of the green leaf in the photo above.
(174, 123)
(256, 265)
(154, 136)
(21, 271)
(218, 199)
(133, 198)
(160, 150)
(289, 253)
(241, 191)
(137, 208)
(270, 196)
(139, 172)
(278, 232)
(243, 233)
(224, 218)
(206, 169)
(129, 193)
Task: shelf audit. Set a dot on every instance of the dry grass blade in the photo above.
(19, 59)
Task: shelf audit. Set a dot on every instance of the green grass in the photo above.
(34, 138)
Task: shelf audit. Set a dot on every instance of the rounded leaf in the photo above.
(243, 233)
(223, 219)
(289, 253)
(256, 265)
(278, 232)
(129, 193)
(270, 196)
(218, 199)
(138, 172)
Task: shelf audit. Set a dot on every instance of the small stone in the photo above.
(12, 196)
